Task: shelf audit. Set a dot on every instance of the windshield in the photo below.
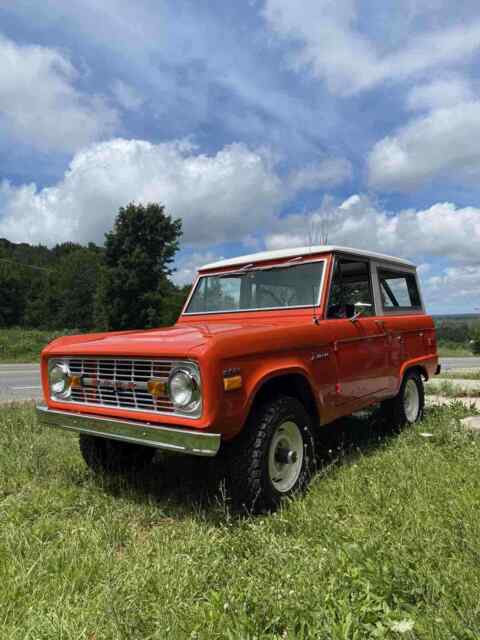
(262, 288)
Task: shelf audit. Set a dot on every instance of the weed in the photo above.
(386, 544)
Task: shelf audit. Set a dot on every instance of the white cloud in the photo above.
(187, 266)
(220, 197)
(442, 230)
(328, 41)
(442, 92)
(327, 173)
(442, 233)
(453, 289)
(444, 140)
(40, 105)
(127, 96)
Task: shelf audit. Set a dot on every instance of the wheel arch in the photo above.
(289, 383)
(408, 367)
(421, 369)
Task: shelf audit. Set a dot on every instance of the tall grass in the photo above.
(386, 544)
(460, 375)
(25, 345)
(453, 349)
(449, 389)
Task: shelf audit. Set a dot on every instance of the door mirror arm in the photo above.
(356, 316)
(361, 306)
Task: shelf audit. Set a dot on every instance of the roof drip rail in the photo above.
(280, 254)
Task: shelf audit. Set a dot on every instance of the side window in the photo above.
(351, 290)
(398, 290)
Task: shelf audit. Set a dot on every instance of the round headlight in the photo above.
(59, 379)
(183, 389)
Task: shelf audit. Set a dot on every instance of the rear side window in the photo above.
(399, 291)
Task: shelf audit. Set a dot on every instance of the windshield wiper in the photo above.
(251, 267)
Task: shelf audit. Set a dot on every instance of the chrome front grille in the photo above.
(119, 382)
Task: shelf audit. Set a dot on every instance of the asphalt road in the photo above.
(460, 363)
(19, 382)
(22, 381)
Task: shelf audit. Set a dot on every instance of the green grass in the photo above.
(24, 345)
(449, 390)
(452, 350)
(458, 375)
(388, 538)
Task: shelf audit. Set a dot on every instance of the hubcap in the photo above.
(285, 456)
(411, 401)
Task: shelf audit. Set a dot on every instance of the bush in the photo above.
(475, 339)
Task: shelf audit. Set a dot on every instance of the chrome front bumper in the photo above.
(152, 435)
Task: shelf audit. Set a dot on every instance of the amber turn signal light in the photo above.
(230, 384)
(157, 388)
(75, 381)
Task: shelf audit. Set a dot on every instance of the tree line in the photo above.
(455, 331)
(123, 284)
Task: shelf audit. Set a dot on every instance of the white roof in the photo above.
(301, 251)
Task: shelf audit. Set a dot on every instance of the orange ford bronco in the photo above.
(268, 348)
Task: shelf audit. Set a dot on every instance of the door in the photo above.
(360, 339)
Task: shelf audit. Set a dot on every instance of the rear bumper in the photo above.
(151, 435)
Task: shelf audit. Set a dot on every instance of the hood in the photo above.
(177, 341)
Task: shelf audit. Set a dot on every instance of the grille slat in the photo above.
(121, 370)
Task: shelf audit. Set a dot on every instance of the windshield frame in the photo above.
(290, 264)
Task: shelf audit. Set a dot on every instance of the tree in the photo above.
(75, 285)
(12, 296)
(475, 339)
(134, 289)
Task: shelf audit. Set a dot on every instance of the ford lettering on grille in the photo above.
(112, 384)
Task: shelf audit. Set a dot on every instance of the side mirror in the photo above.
(359, 308)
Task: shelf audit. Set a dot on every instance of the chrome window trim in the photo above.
(284, 265)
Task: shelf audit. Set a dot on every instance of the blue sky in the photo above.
(260, 123)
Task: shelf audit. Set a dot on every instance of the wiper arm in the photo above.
(251, 267)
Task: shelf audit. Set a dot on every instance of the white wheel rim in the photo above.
(287, 442)
(411, 401)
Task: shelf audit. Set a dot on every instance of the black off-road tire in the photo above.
(248, 478)
(394, 410)
(104, 455)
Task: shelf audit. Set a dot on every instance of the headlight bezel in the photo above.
(62, 367)
(191, 372)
